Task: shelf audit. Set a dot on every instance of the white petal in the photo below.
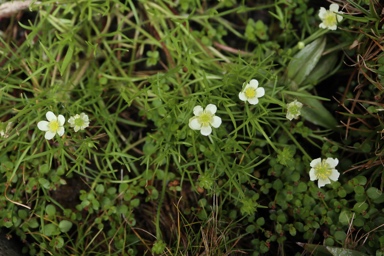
(332, 162)
(216, 122)
(206, 130)
(60, 131)
(260, 92)
(322, 12)
(194, 123)
(322, 26)
(289, 116)
(43, 126)
(322, 183)
(61, 120)
(334, 175)
(254, 83)
(315, 162)
(84, 117)
(50, 116)
(242, 96)
(339, 18)
(211, 108)
(49, 135)
(253, 101)
(197, 110)
(312, 175)
(71, 121)
(334, 7)
(334, 27)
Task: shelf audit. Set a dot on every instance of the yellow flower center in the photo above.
(323, 170)
(53, 126)
(205, 119)
(330, 19)
(250, 92)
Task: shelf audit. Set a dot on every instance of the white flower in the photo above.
(204, 119)
(324, 171)
(251, 92)
(330, 17)
(79, 122)
(5, 129)
(293, 110)
(53, 126)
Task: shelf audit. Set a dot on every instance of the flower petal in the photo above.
(206, 130)
(71, 121)
(194, 123)
(60, 131)
(197, 110)
(289, 116)
(339, 18)
(43, 126)
(242, 96)
(260, 92)
(50, 116)
(312, 175)
(315, 162)
(216, 122)
(332, 162)
(324, 182)
(211, 108)
(254, 83)
(322, 12)
(334, 175)
(84, 117)
(334, 7)
(322, 26)
(61, 120)
(253, 101)
(334, 27)
(49, 135)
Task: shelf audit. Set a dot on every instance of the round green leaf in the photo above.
(340, 235)
(277, 185)
(49, 230)
(44, 168)
(32, 223)
(100, 188)
(57, 242)
(65, 226)
(260, 221)
(50, 210)
(345, 217)
(374, 193)
(359, 190)
(360, 207)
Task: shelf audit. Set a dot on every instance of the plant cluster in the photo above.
(207, 125)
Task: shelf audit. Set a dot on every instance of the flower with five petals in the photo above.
(204, 119)
(324, 170)
(53, 126)
(330, 17)
(252, 92)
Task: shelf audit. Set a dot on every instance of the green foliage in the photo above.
(139, 179)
